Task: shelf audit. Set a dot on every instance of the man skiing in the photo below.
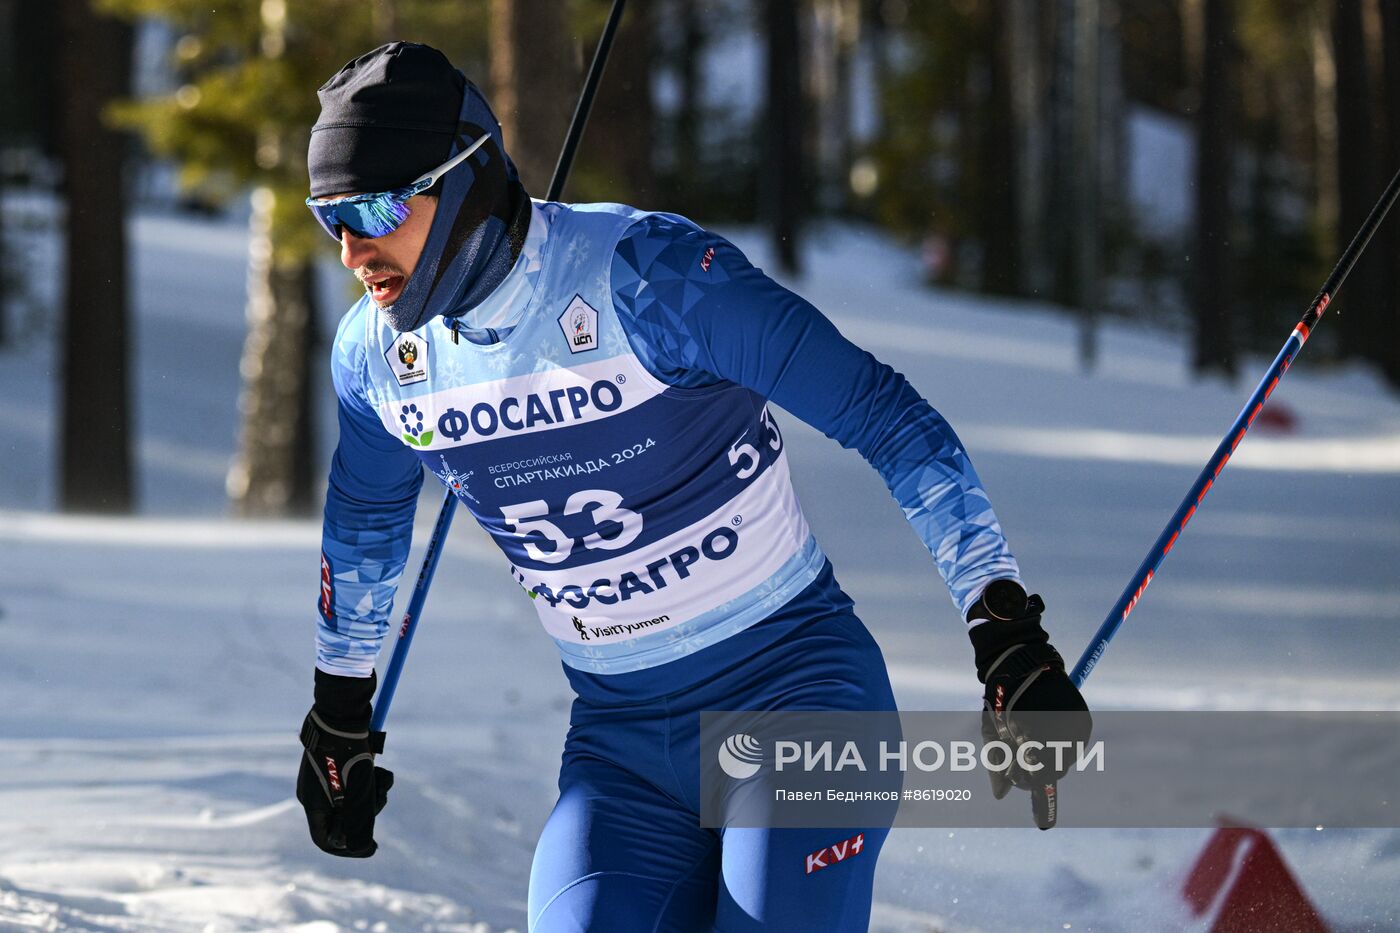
(594, 383)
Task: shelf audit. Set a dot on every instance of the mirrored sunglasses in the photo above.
(374, 215)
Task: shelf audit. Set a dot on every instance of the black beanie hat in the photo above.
(386, 118)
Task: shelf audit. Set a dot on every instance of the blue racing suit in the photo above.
(605, 416)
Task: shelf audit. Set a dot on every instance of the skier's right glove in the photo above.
(1028, 696)
(339, 785)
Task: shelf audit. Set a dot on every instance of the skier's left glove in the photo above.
(1028, 696)
(339, 785)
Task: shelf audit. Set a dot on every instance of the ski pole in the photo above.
(449, 503)
(1184, 512)
(410, 616)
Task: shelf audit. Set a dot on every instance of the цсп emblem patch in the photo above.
(579, 322)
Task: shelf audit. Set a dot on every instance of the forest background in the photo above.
(1194, 164)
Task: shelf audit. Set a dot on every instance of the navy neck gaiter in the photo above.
(482, 217)
(396, 113)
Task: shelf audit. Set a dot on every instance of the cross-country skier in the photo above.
(597, 384)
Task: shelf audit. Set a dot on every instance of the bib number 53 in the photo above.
(747, 454)
(531, 521)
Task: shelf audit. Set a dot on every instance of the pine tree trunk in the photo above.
(834, 33)
(686, 55)
(882, 38)
(9, 87)
(1213, 299)
(1062, 204)
(95, 438)
(840, 124)
(1388, 249)
(534, 84)
(783, 174)
(272, 472)
(4, 252)
(1356, 191)
(1028, 107)
(996, 216)
(1087, 149)
(1324, 123)
(618, 155)
(1114, 157)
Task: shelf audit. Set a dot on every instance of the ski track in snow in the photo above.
(153, 672)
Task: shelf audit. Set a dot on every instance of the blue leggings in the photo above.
(623, 849)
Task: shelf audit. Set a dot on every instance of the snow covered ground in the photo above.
(153, 671)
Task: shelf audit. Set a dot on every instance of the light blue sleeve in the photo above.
(698, 312)
(368, 525)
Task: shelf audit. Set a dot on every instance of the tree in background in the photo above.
(974, 145)
(29, 134)
(784, 165)
(1389, 245)
(272, 470)
(534, 74)
(1278, 257)
(1365, 48)
(615, 157)
(682, 50)
(707, 151)
(1356, 174)
(9, 15)
(995, 219)
(1030, 147)
(1213, 296)
(949, 128)
(835, 38)
(242, 122)
(95, 435)
(1277, 107)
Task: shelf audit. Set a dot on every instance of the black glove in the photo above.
(339, 785)
(1026, 680)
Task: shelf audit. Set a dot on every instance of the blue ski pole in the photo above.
(411, 615)
(1197, 494)
(449, 502)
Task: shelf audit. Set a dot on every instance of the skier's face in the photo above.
(384, 263)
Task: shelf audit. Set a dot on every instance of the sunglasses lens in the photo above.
(375, 217)
(366, 219)
(326, 217)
